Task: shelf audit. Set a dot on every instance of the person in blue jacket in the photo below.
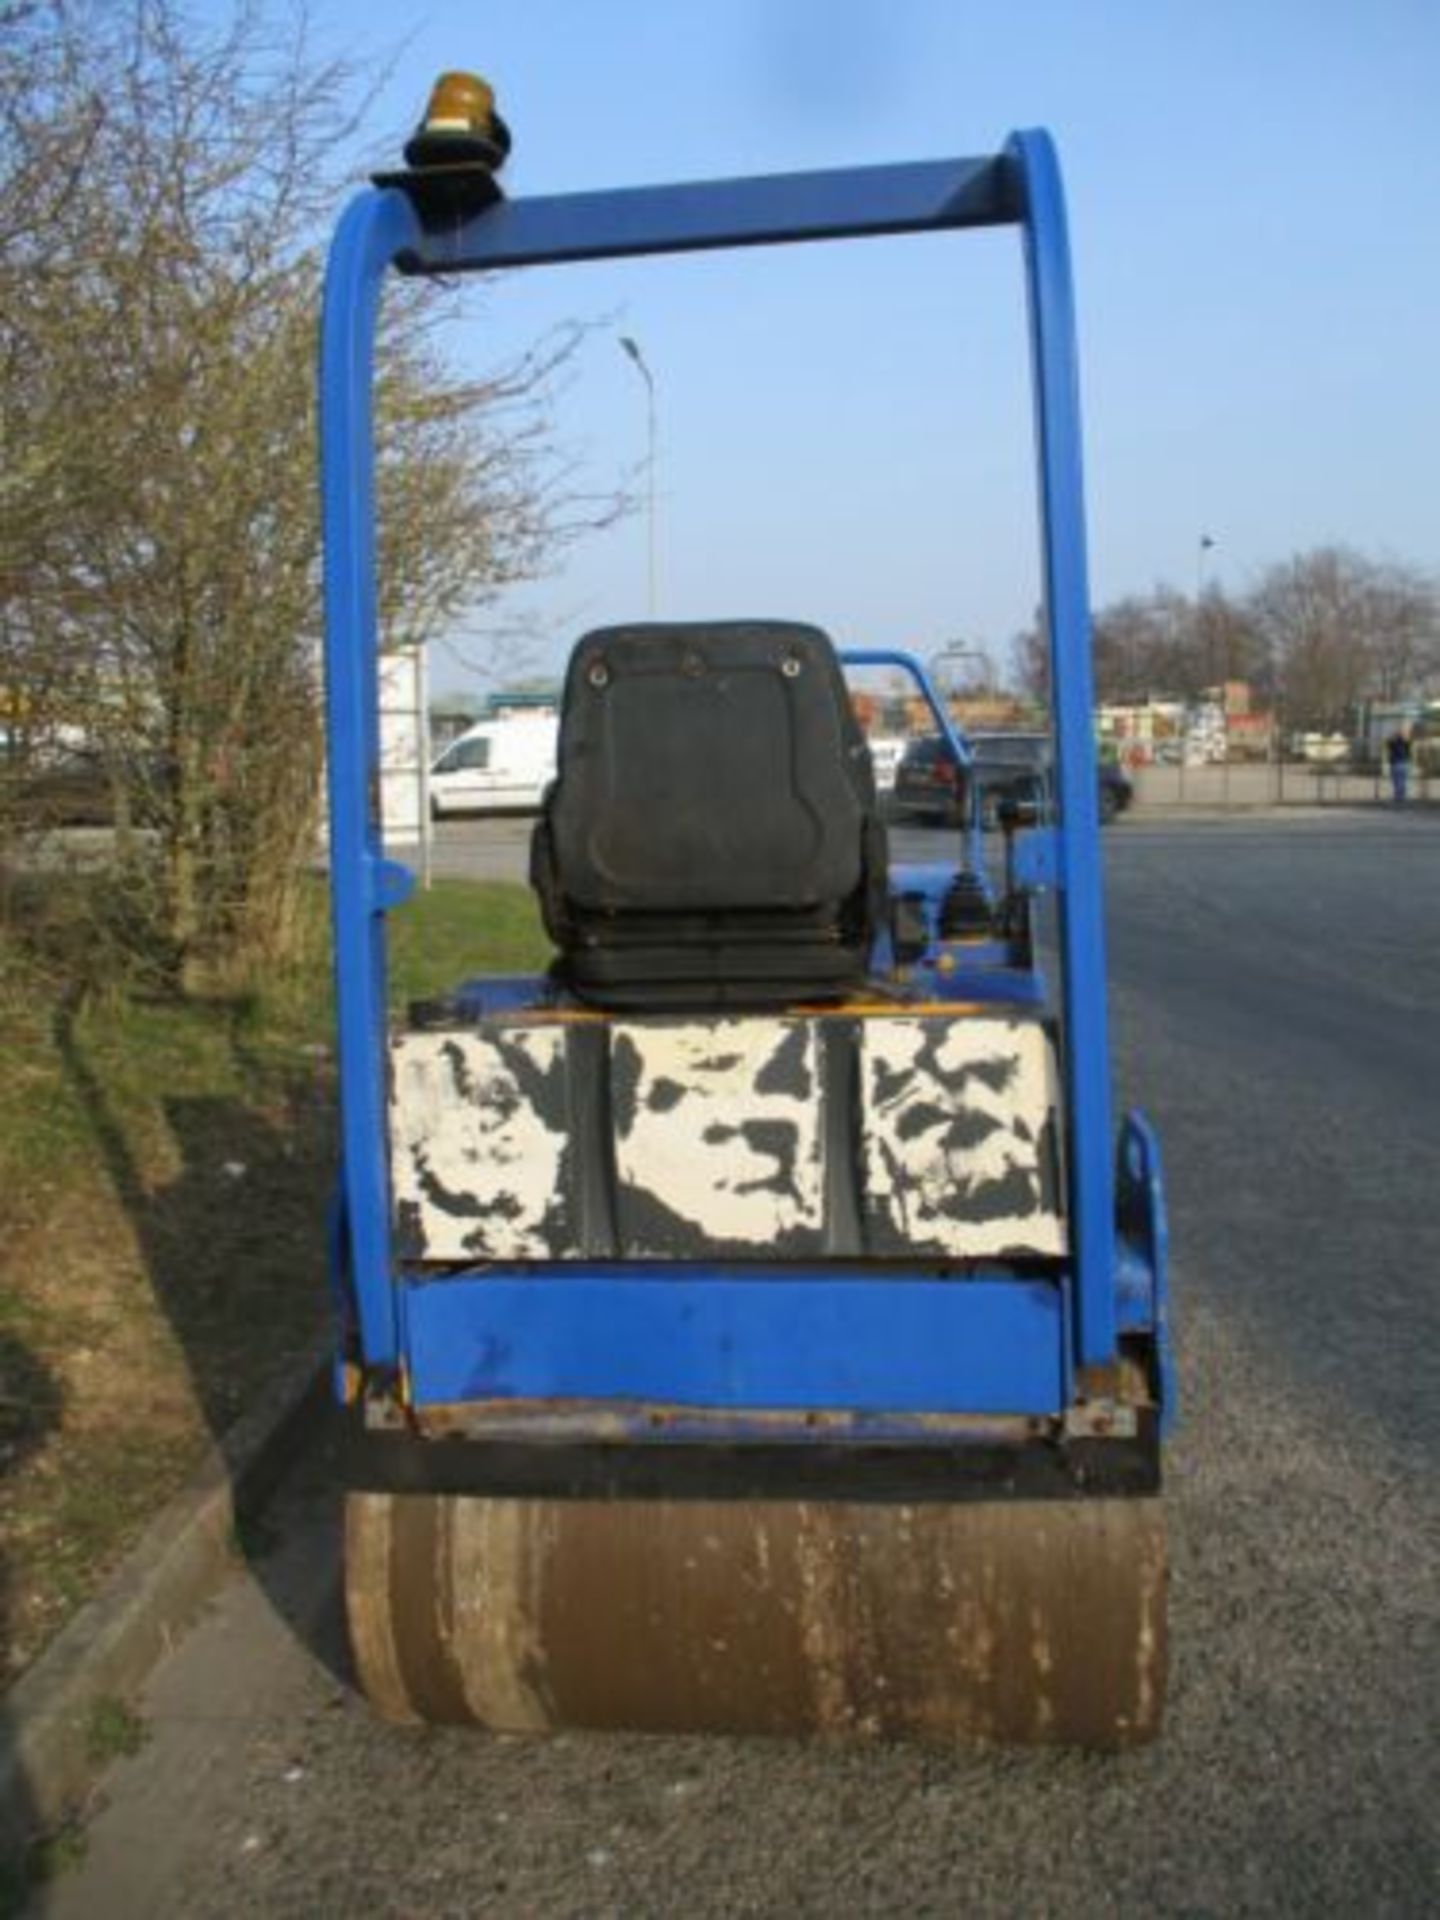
(1397, 758)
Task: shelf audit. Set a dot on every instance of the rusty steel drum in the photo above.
(1009, 1621)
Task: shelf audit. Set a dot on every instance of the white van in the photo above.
(497, 766)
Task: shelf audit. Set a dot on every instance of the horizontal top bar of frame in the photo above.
(915, 197)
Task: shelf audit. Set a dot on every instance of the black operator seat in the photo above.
(713, 837)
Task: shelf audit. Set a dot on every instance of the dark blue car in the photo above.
(1008, 766)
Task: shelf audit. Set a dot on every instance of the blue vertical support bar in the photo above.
(1055, 378)
(372, 230)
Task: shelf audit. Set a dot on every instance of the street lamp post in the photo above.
(631, 348)
(1204, 545)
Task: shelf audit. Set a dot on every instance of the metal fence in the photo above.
(1274, 784)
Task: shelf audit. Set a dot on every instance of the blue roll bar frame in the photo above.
(381, 230)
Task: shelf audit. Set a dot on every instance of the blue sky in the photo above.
(845, 430)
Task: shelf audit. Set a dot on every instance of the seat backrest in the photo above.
(711, 767)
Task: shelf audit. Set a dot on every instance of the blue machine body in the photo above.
(908, 1352)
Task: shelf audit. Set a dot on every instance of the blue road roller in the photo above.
(755, 1322)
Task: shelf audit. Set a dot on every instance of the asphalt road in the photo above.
(1277, 1010)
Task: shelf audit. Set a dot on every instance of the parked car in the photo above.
(1008, 766)
(928, 783)
(76, 786)
(496, 766)
(1012, 766)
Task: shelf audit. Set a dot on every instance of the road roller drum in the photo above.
(1018, 1621)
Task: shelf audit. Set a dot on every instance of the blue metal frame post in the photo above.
(373, 230)
(1055, 376)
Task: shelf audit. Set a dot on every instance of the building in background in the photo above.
(508, 702)
(1224, 724)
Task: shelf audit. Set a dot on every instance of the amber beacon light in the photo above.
(461, 127)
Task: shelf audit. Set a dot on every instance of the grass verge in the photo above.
(164, 1167)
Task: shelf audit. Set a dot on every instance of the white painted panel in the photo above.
(960, 1136)
(718, 1135)
(477, 1144)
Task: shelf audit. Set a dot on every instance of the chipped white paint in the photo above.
(718, 1134)
(958, 1117)
(477, 1139)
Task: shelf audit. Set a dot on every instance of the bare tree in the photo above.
(1343, 627)
(160, 563)
(1156, 644)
